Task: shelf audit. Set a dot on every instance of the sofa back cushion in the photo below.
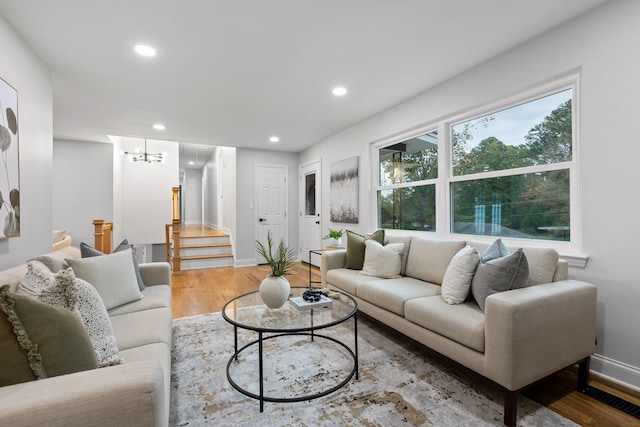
(542, 261)
(428, 259)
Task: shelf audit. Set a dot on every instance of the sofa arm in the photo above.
(124, 395)
(335, 258)
(155, 273)
(535, 331)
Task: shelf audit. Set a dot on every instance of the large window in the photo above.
(511, 171)
(507, 172)
(406, 192)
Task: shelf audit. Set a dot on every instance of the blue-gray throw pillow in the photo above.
(87, 251)
(499, 275)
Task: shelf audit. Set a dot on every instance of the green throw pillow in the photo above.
(356, 247)
(87, 251)
(39, 341)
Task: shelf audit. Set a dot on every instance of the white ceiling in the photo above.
(234, 73)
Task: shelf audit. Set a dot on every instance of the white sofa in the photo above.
(135, 393)
(522, 336)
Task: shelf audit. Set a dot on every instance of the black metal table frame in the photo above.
(307, 331)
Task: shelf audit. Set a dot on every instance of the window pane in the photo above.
(534, 206)
(415, 159)
(310, 194)
(536, 133)
(410, 208)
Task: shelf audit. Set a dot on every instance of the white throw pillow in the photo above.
(113, 276)
(457, 278)
(382, 261)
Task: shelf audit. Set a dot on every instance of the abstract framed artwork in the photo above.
(10, 167)
(344, 191)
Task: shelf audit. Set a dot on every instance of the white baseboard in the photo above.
(617, 372)
(250, 262)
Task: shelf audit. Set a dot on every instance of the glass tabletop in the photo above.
(249, 312)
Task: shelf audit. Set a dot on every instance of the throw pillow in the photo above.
(356, 248)
(113, 276)
(498, 275)
(38, 340)
(496, 250)
(87, 251)
(65, 290)
(58, 235)
(457, 278)
(382, 261)
(53, 264)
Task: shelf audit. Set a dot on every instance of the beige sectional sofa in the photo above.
(135, 393)
(522, 336)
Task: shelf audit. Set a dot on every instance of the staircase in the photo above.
(203, 247)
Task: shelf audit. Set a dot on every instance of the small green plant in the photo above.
(282, 261)
(334, 234)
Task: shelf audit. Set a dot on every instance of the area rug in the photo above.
(399, 384)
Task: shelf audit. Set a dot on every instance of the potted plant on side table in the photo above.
(335, 236)
(275, 289)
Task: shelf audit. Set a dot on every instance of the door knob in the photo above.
(261, 219)
(317, 222)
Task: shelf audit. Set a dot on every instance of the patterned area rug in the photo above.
(398, 383)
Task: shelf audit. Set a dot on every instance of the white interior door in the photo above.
(271, 205)
(310, 208)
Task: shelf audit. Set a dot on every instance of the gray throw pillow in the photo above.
(498, 275)
(356, 247)
(87, 251)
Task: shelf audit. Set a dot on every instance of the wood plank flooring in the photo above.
(207, 290)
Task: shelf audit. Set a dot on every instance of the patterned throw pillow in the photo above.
(64, 290)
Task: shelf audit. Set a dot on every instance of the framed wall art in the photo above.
(344, 186)
(10, 167)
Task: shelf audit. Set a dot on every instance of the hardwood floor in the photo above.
(207, 290)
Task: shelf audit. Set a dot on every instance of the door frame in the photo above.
(256, 215)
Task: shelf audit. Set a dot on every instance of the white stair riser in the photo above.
(195, 264)
(212, 250)
(202, 240)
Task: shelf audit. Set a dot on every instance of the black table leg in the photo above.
(355, 333)
(261, 372)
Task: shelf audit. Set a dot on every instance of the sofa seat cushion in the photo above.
(463, 323)
(392, 294)
(428, 259)
(156, 296)
(142, 327)
(347, 280)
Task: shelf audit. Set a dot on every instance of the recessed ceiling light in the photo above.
(339, 91)
(274, 139)
(145, 50)
(159, 126)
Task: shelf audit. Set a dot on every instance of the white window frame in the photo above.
(571, 249)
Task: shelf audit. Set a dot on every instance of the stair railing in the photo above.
(102, 235)
(173, 230)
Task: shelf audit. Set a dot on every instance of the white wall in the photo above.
(602, 46)
(246, 159)
(142, 191)
(28, 75)
(82, 187)
(192, 194)
(227, 189)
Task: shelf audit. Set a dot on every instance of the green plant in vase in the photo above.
(275, 289)
(335, 236)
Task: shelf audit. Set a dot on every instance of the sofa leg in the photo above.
(510, 408)
(583, 373)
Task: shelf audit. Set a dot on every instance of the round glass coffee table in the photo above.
(249, 312)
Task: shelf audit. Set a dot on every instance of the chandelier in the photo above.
(144, 156)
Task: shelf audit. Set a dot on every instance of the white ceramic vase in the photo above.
(274, 291)
(336, 242)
